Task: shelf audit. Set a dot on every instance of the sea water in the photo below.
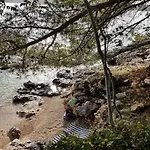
(10, 82)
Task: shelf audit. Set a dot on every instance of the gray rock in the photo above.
(29, 85)
(119, 104)
(32, 146)
(87, 109)
(148, 57)
(26, 98)
(21, 113)
(26, 144)
(136, 108)
(66, 74)
(23, 90)
(15, 142)
(121, 95)
(40, 89)
(101, 116)
(14, 133)
(98, 100)
(147, 81)
(56, 81)
(63, 83)
(30, 113)
(29, 109)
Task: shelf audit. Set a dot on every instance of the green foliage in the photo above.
(126, 136)
(2, 1)
(10, 39)
(68, 58)
(138, 37)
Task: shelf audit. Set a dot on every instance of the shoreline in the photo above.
(8, 118)
(47, 122)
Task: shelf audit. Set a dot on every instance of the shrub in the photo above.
(126, 136)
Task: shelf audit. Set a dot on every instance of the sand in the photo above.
(43, 126)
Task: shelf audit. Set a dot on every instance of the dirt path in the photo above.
(44, 125)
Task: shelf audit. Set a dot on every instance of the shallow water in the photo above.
(10, 82)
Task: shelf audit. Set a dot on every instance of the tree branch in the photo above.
(65, 25)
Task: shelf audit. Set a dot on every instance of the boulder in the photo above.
(135, 84)
(147, 81)
(56, 81)
(121, 95)
(40, 89)
(89, 72)
(138, 107)
(126, 82)
(97, 100)
(30, 113)
(26, 98)
(29, 109)
(26, 144)
(23, 90)
(87, 109)
(83, 86)
(21, 113)
(119, 104)
(101, 116)
(112, 61)
(14, 133)
(63, 83)
(29, 85)
(66, 74)
(26, 113)
(78, 75)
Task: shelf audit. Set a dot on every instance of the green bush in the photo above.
(125, 136)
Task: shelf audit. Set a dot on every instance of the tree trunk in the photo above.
(107, 81)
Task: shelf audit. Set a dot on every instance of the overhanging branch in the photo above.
(65, 25)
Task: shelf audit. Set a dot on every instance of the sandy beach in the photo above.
(44, 125)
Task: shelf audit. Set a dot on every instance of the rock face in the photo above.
(89, 90)
(14, 133)
(86, 90)
(101, 116)
(91, 94)
(130, 57)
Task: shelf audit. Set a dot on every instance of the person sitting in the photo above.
(69, 105)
